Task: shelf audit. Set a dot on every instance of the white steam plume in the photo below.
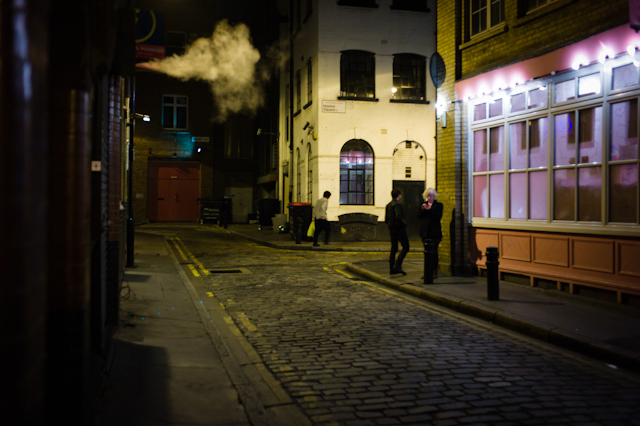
(229, 63)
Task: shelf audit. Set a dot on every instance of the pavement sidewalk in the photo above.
(163, 366)
(603, 330)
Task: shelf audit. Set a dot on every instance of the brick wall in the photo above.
(522, 36)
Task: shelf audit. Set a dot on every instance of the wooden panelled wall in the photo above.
(571, 260)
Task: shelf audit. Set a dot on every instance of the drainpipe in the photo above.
(291, 89)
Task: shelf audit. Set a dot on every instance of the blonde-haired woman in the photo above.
(430, 216)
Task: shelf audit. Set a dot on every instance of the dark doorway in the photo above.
(411, 201)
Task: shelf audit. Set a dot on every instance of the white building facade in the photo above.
(363, 103)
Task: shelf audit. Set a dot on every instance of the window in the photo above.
(356, 173)
(309, 178)
(357, 74)
(409, 77)
(298, 177)
(414, 5)
(309, 81)
(298, 90)
(573, 163)
(176, 42)
(485, 14)
(535, 4)
(174, 112)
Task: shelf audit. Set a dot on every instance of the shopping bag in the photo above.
(312, 229)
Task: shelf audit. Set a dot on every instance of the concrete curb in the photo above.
(531, 328)
(311, 248)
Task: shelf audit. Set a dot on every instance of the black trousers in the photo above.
(434, 260)
(398, 235)
(322, 225)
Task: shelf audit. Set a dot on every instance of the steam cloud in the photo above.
(229, 62)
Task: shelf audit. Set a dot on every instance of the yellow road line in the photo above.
(194, 270)
(195, 260)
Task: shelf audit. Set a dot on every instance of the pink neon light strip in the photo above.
(615, 41)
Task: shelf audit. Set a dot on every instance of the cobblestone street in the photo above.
(351, 352)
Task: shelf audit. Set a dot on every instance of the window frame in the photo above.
(353, 174)
(604, 167)
(350, 80)
(175, 107)
(491, 5)
(403, 63)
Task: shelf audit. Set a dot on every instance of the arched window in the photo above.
(298, 193)
(356, 173)
(309, 177)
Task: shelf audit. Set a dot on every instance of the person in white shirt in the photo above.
(320, 217)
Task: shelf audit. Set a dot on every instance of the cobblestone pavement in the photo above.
(350, 352)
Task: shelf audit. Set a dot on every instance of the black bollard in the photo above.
(298, 229)
(493, 286)
(429, 253)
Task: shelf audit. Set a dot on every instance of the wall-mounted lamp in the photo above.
(306, 126)
(144, 117)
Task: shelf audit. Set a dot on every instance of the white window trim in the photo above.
(605, 98)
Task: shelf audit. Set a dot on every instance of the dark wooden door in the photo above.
(411, 201)
(173, 191)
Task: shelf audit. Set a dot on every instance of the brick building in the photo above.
(538, 141)
(357, 106)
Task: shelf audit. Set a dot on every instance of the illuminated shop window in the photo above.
(409, 81)
(569, 163)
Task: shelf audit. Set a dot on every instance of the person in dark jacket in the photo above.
(395, 220)
(430, 228)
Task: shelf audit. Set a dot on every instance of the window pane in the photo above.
(496, 152)
(565, 91)
(538, 141)
(589, 193)
(624, 76)
(496, 12)
(496, 183)
(538, 97)
(538, 195)
(480, 112)
(480, 151)
(167, 117)
(590, 145)
(480, 196)
(565, 136)
(624, 193)
(495, 108)
(624, 130)
(518, 146)
(564, 194)
(589, 85)
(181, 118)
(518, 195)
(518, 102)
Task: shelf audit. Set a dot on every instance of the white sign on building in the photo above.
(334, 106)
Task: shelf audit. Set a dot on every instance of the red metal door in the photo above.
(174, 189)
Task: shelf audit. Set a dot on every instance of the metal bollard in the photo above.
(493, 286)
(429, 253)
(298, 229)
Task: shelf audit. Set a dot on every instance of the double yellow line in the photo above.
(187, 256)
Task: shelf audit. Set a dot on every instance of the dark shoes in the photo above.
(397, 271)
